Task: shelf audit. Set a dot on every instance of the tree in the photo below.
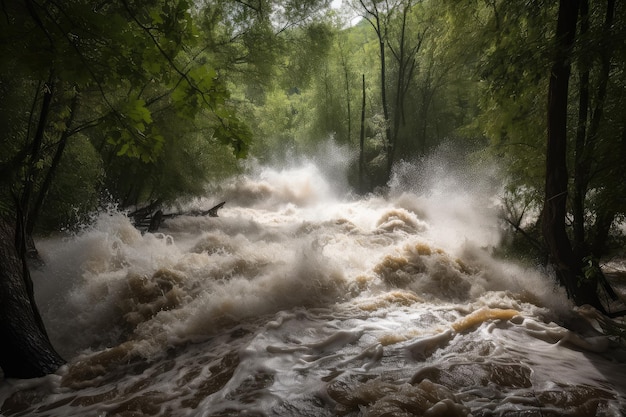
(146, 85)
(25, 351)
(567, 268)
(575, 270)
(377, 13)
(115, 67)
(582, 70)
(410, 77)
(588, 240)
(270, 51)
(404, 51)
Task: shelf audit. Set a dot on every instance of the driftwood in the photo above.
(150, 218)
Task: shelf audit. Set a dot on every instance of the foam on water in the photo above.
(297, 302)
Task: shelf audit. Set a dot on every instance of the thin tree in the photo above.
(362, 141)
(404, 53)
(378, 19)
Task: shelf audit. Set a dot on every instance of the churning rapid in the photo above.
(300, 300)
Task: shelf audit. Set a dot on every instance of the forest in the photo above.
(144, 103)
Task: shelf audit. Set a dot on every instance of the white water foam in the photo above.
(300, 300)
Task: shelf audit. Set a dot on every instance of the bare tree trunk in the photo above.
(580, 181)
(47, 182)
(586, 138)
(567, 267)
(25, 351)
(362, 143)
(374, 16)
(404, 54)
(346, 81)
(35, 149)
(383, 93)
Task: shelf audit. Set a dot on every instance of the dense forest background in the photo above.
(146, 102)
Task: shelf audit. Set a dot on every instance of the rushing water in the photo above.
(301, 301)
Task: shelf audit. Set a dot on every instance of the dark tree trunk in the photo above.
(586, 138)
(373, 16)
(567, 267)
(362, 142)
(47, 181)
(580, 174)
(346, 82)
(383, 93)
(37, 144)
(404, 55)
(25, 351)
(608, 213)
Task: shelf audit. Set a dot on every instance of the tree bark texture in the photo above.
(586, 138)
(362, 141)
(567, 267)
(383, 93)
(580, 174)
(33, 215)
(25, 351)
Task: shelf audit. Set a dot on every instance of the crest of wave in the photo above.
(458, 199)
(118, 285)
(300, 181)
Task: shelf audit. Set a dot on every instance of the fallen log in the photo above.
(151, 221)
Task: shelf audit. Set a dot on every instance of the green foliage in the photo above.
(509, 49)
(183, 168)
(136, 72)
(171, 92)
(591, 269)
(138, 137)
(512, 66)
(68, 204)
(326, 100)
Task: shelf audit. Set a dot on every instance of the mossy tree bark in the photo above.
(25, 350)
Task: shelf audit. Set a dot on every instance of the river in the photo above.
(302, 300)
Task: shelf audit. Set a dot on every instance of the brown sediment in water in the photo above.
(392, 339)
(21, 401)
(386, 398)
(424, 269)
(392, 298)
(459, 375)
(497, 383)
(104, 367)
(220, 374)
(400, 219)
(479, 316)
(149, 295)
(100, 372)
(399, 271)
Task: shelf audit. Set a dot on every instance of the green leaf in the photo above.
(137, 111)
(156, 17)
(123, 150)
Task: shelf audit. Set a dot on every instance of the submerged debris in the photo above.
(150, 218)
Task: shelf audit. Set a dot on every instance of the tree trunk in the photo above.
(346, 82)
(362, 142)
(580, 174)
(381, 32)
(25, 350)
(33, 215)
(586, 138)
(383, 93)
(567, 267)
(37, 144)
(404, 55)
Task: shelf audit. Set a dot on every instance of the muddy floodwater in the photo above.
(301, 299)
